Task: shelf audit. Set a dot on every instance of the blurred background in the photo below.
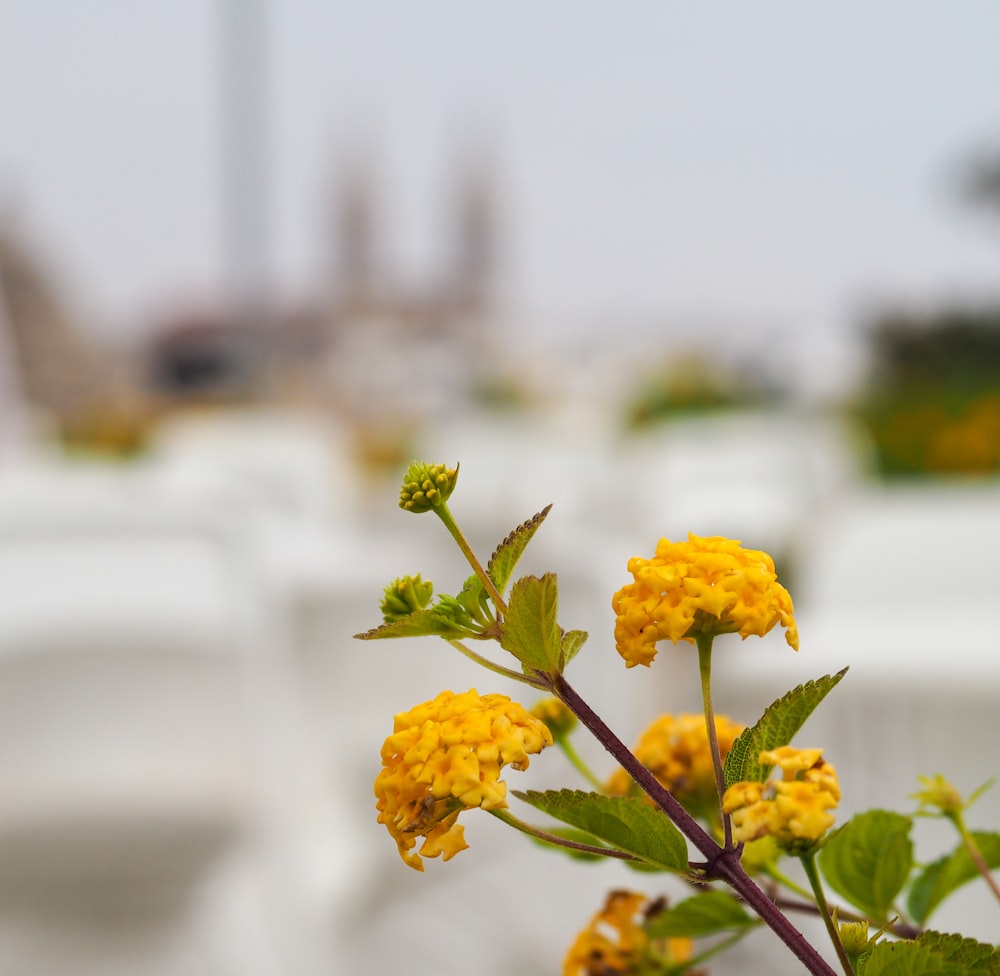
(672, 269)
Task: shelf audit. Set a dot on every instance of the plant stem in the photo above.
(809, 864)
(704, 642)
(485, 662)
(578, 764)
(444, 514)
(721, 864)
(571, 845)
(974, 852)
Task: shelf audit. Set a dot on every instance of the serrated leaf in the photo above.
(626, 823)
(869, 859)
(530, 629)
(776, 727)
(908, 959)
(572, 641)
(505, 556)
(702, 914)
(939, 879)
(420, 623)
(975, 958)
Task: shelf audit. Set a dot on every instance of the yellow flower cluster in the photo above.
(675, 750)
(705, 585)
(445, 756)
(616, 944)
(792, 810)
(426, 486)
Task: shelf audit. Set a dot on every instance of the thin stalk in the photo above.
(974, 852)
(571, 845)
(721, 864)
(444, 514)
(485, 662)
(704, 642)
(578, 764)
(809, 864)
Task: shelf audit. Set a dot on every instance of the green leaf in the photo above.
(869, 859)
(530, 630)
(940, 878)
(505, 556)
(420, 623)
(703, 914)
(572, 641)
(776, 727)
(975, 958)
(473, 599)
(626, 823)
(908, 959)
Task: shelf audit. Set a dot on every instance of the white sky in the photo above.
(779, 164)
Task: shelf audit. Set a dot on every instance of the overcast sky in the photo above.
(781, 163)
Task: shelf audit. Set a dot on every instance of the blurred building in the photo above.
(369, 347)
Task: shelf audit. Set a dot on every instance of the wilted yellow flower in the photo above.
(792, 810)
(445, 756)
(675, 750)
(615, 943)
(705, 585)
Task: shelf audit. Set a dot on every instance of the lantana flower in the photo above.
(445, 756)
(703, 586)
(615, 943)
(793, 810)
(676, 751)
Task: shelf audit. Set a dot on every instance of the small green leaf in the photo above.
(572, 641)
(776, 727)
(702, 914)
(868, 860)
(976, 958)
(940, 878)
(626, 823)
(505, 556)
(530, 630)
(421, 623)
(474, 600)
(909, 959)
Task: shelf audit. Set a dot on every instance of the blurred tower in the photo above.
(474, 261)
(354, 228)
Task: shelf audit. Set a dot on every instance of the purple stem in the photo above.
(720, 863)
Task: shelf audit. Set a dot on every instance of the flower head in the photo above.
(676, 751)
(404, 596)
(426, 486)
(445, 756)
(793, 810)
(705, 585)
(615, 943)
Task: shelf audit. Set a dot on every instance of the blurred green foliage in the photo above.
(932, 403)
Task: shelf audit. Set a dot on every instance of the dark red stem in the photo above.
(721, 864)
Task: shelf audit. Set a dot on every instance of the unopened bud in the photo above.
(426, 486)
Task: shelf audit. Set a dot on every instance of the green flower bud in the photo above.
(556, 716)
(939, 793)
(426, 486)
(854, 937)
(405, 596)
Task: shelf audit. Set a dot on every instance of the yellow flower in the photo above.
(445, 756)
(615, 943)
(675, 749)
(793, 810)
(705, 585)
